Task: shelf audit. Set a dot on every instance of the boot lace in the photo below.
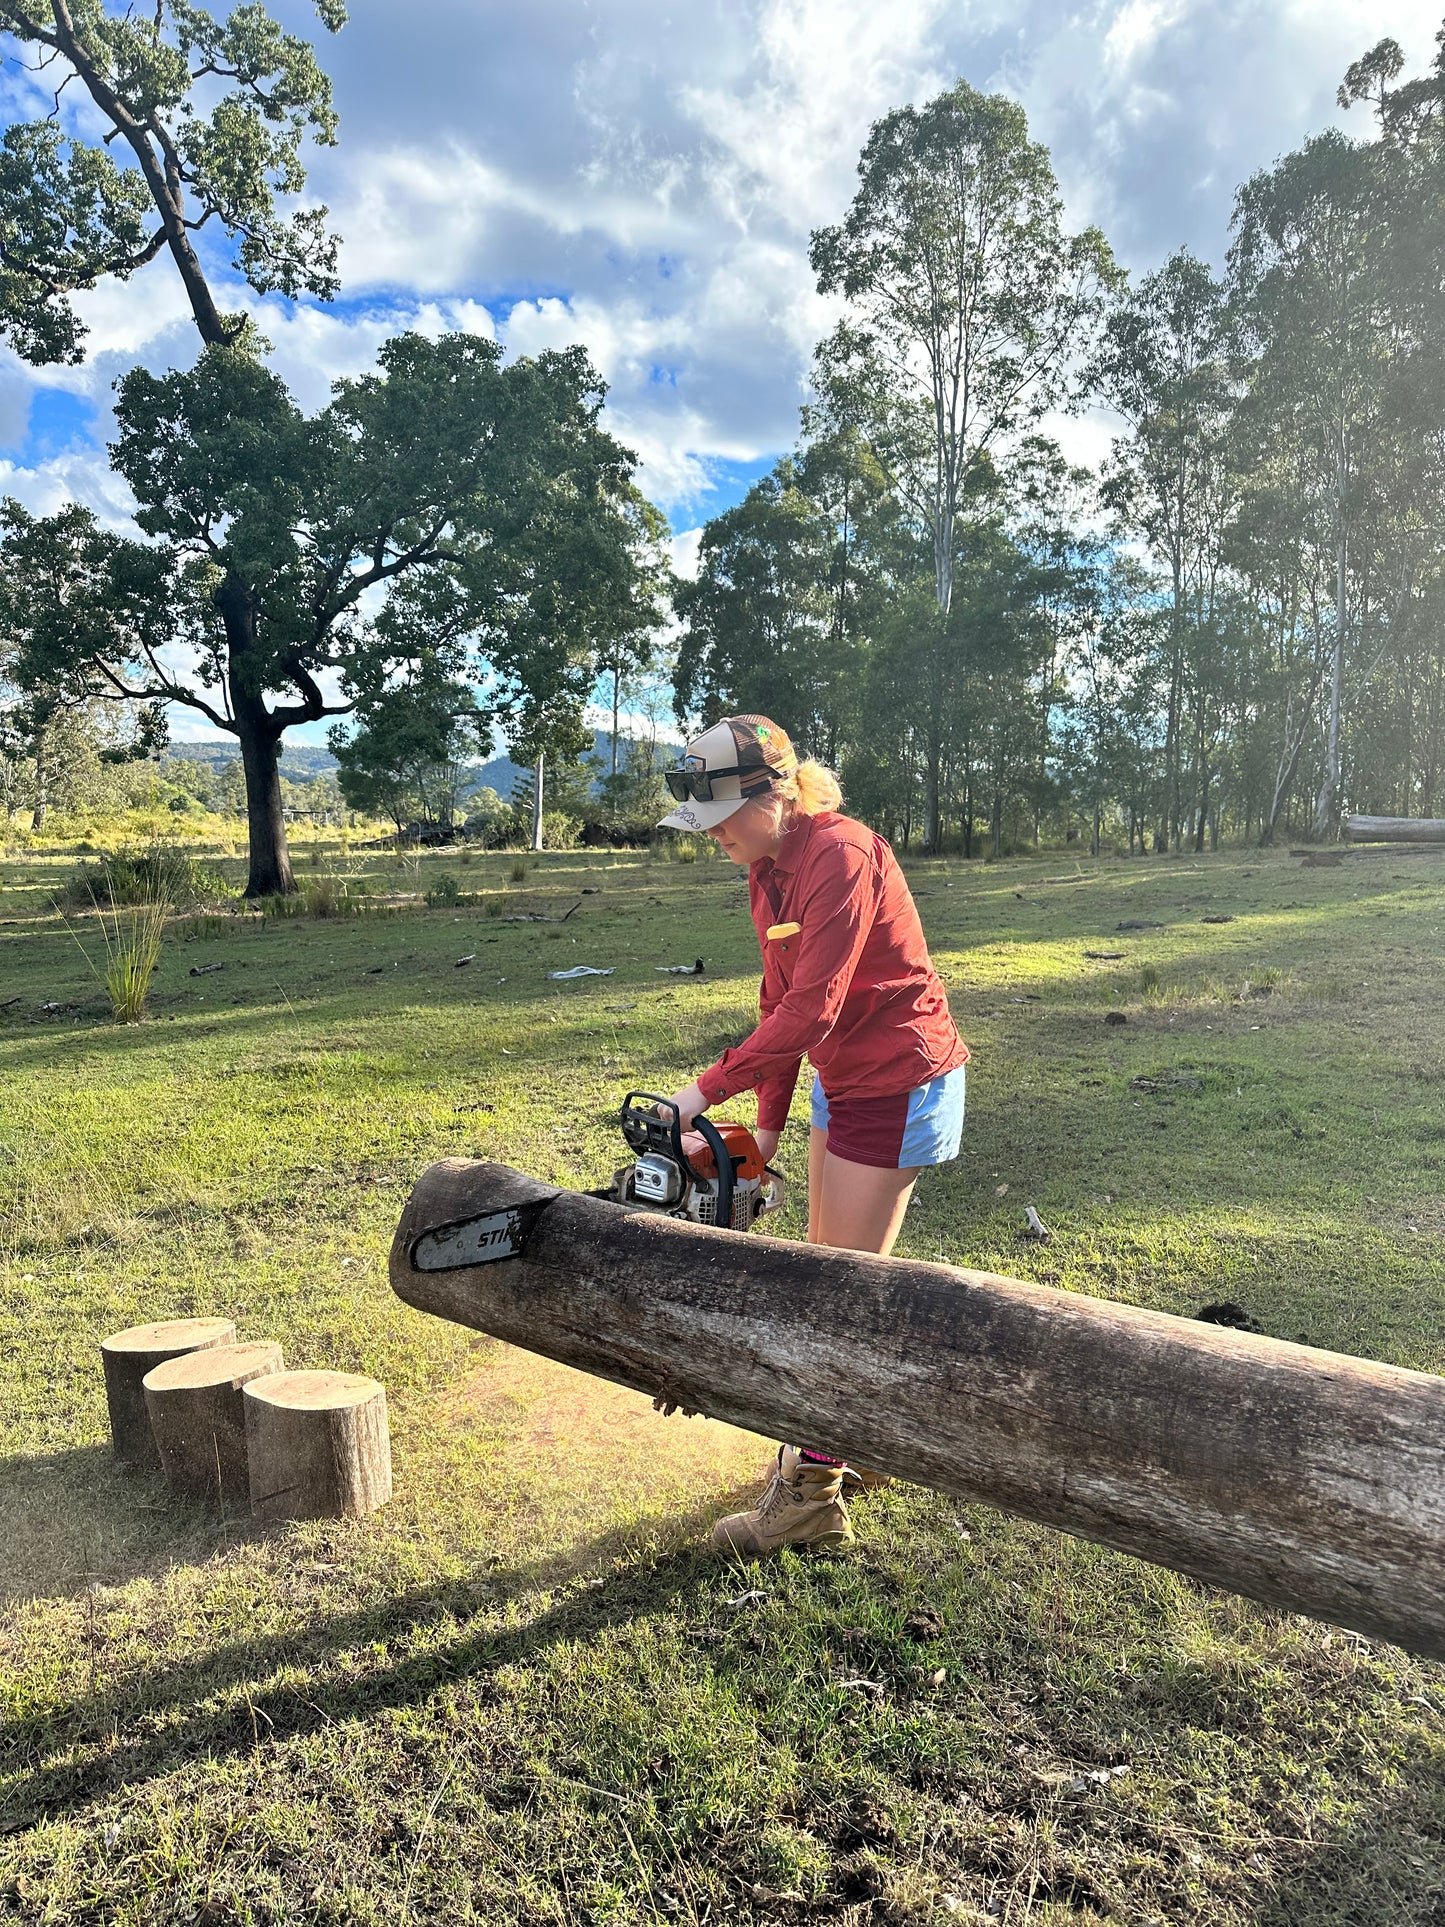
(778, 1495)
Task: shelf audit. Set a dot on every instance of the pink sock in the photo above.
(818, 1458)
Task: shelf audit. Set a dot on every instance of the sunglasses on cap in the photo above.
(697, 783)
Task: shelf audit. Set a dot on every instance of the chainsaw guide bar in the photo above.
(476, 1241)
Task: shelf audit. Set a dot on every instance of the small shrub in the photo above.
(494, 906)
(518, 872)
(160, 874)
(445, 892)
(1148, 978)
(465, 858)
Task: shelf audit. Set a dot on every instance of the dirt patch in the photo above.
(601, 1443)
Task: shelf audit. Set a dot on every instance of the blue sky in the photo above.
(643, 175)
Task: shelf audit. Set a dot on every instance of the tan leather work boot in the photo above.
(802, 1506)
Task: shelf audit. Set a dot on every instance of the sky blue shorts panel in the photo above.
(935, 1120)
(934, 1127)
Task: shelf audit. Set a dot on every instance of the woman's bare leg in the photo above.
(854, 1207)
(817, 1152)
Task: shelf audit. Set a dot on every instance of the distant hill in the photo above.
(301, 761)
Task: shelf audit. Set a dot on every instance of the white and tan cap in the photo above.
(752, 751)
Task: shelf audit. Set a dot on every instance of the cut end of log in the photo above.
(171, 1335)
(316, 1391)
(220, 1365)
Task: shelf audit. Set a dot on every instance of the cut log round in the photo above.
(127, 1356)
(199, 1421)
(317, 1445)
(1305, 1479)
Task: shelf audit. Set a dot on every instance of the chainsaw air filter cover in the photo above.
(656, 1180)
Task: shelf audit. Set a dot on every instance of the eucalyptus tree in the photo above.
(1308, 268)
(627, 650)
(1164, 365)
(968, 310)
(407, 756)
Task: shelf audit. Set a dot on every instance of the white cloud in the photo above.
(643, 177)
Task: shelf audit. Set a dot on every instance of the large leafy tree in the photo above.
(192, 123)
(482, 504)
(758, 629)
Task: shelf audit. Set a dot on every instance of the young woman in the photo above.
(847, 981)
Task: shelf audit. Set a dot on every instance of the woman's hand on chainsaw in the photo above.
(768, 1144)
(688, 1104)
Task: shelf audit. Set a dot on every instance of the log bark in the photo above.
(198, 1418)
(126, 1358)
(317, 1445)
(1300, 1478)
(1396, 829)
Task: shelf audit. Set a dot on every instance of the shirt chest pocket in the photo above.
(782, 942)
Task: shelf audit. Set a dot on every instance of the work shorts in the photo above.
(922, 1126)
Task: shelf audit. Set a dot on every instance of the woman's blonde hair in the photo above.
(811, 788)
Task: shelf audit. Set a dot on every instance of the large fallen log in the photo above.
(1395, 829)
(1304, 1479)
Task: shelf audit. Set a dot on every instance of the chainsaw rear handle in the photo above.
(652, 1125)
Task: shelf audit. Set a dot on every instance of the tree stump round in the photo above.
(198, 1418)
(127, 1356)
(317, 1445)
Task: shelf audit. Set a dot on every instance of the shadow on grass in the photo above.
(70, 1520)
(239, 1695)
(1388, 1866)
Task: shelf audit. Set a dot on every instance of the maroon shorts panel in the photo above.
(868, 1130)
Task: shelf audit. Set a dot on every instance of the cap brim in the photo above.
(692, 815)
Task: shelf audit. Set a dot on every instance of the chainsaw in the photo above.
(728, 1183)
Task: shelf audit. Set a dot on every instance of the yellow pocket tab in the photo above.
(777, 931)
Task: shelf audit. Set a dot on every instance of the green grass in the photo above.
(521, 1693)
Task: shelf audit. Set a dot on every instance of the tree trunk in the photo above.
(1309, 1481)
(37, 813)
(1326, 802)
(269, 873)
(539, 776)
(127, 1356)
(198, 1417)
(317, 1444)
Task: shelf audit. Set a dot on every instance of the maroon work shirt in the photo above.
(854, 989)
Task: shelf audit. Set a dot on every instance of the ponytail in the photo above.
(812, 788)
